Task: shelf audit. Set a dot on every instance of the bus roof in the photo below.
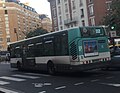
(36, 37)
(49, 34)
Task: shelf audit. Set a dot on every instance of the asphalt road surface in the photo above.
(95, 81)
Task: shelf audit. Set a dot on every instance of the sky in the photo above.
(41, 6)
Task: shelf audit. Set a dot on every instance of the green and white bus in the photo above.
(79, 48)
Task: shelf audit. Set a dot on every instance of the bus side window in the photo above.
(57, 45)
(17, 52)
(64, 44)
(48, 48)
(30, 50)
(39, 49)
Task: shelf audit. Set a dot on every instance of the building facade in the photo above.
(46, 23)
(16, 20)
(71, 13)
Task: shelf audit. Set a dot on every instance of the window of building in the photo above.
(7, 25)
(6, 18)
(58, 1)
(54, 11)
(7, 32)
(7, 22)
(1, 39)
(1, 32)
(8, 39)
(65, 0)
(108, 4)
(6, 12)
(83, 23)
(66, 8)
(90, 1)
(82, 13)
(73, 4)
(60, 19)
(55, 22)
(61, 28)
(81, 3)
(59, 10)
(1, 46)
(67, 16)
(92, 21)
(91, 10)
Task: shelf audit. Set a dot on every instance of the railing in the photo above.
(69, 21)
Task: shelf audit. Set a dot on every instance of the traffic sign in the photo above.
(113, 34)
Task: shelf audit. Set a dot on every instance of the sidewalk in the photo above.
(4, 62)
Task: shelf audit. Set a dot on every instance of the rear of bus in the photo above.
(88, 48)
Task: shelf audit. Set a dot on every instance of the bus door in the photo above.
(24, 55)
(27, 58)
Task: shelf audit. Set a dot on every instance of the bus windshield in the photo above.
(92, 32)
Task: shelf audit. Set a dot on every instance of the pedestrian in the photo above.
(7, 57)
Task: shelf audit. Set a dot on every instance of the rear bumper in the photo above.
(85, 67)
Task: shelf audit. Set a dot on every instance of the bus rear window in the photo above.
(92, 32)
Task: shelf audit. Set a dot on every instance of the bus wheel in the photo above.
(19, 65)
(51, 68)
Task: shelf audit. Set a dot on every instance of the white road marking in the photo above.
(41, 84)
(37, 74)
(109, 77)
(12, 78)
(60, 87)
(79, 83)
(95, 80)
(25, 76)
(4, 83)
(42, 92)
(117, 56)
(47, 84)
(111, 84)
(7, 90)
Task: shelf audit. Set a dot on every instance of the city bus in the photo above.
(73, 49)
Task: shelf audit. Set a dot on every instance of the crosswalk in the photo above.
(8, 79)
(19, 77)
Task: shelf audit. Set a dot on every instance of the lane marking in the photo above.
(117, 56)
(41, 84)
(12, 78)
(25, 76)
(38, 74)
(7, 90)
(111, 84)
(94, 80)
(79, 83)
(4, 83)
(60, 87)
(42, 92)
(109, 77)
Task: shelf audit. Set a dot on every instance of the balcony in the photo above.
(69, 21)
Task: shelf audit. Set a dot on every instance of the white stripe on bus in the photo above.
(26, 76)
(12, 78)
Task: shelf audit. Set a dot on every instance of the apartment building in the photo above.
(71, 13)
(46, 23)
(16, 20)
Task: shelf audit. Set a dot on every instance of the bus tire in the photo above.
(51, 68)
(19, 65)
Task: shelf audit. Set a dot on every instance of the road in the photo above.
(96, 81)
